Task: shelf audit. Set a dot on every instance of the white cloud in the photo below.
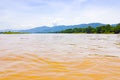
(20, 14)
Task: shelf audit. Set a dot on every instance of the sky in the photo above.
(25, 14)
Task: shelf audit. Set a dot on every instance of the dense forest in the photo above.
(106, 29)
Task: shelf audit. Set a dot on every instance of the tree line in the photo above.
(11, 32)
(105, 29)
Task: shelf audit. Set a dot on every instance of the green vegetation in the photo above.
(10, 32)
(106, 29)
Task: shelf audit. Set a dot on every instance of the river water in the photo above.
(60, 57)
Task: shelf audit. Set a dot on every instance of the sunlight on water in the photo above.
(59, 57)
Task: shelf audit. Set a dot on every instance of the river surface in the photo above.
(60, 57)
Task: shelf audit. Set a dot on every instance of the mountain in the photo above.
(46, 29)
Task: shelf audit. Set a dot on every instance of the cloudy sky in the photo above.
(23, 14)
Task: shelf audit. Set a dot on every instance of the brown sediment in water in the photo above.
(36, 67)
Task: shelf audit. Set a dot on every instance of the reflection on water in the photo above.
(59, 57)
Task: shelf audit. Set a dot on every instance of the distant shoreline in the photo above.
(105, 29)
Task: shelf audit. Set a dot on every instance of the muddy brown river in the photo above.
(60, 57)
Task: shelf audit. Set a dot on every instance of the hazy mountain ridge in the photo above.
(45, 29)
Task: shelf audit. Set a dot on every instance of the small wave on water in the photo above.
(30, 66)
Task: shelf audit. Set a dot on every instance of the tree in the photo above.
(117, 29)
(67, 31)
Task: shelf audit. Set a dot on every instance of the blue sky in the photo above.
(24, 14)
